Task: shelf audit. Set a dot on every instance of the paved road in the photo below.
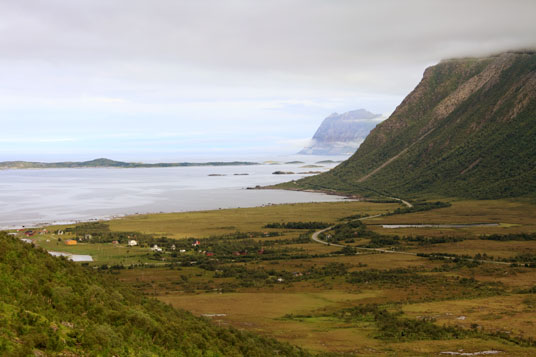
(406, 203)
(315, 238)
(318, 240)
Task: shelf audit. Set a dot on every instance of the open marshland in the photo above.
(372, 291)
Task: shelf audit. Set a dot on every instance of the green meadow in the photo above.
(379, 295)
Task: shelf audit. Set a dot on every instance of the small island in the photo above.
(103, 162)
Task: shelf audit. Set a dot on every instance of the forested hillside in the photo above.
(52, 306)
(467, 130)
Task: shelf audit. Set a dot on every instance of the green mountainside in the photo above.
(467, 130)
(111, 163)
(51, 306)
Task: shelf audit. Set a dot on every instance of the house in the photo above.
(261, 251)
(196, 243)
(182, 251)
(29, 233)
(132, 243)
(70, 242)
(156, 248)
(59, 232)
(209, 254)
(115, 242)
(173, 247)
(88, 236)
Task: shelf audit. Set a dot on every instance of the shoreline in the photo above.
(325, 192)
(31, 225)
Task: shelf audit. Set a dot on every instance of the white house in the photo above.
(156, 248)
(132, 243)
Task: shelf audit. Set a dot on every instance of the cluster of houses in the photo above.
(130, 243)
(29, 232)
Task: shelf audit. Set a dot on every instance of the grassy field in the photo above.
(206, 223)
(263, 312)
(514, 217)
(298, 290)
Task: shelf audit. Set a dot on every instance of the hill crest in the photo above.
(467, 130)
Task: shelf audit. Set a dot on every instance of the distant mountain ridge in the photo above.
(103, 162)
(341, 134)
(467, 130)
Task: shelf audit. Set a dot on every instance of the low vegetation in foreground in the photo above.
(369, 290)
(55, 307)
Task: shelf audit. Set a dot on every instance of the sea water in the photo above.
(41, 196)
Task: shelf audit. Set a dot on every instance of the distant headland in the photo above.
(103, 162)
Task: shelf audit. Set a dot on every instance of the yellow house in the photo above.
(70, 242)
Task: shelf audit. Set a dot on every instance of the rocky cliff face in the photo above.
(341, 134)
(467, 130)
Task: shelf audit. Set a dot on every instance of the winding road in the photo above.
(315, 237)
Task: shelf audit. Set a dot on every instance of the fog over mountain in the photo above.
(175, 79)
(467, 130)
(341, 134)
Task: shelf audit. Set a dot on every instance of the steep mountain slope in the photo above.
(51, 306)
(467, 130)
(341, 134)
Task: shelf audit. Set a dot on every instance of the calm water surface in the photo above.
(65, 195)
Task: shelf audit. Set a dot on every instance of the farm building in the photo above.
(70, 242)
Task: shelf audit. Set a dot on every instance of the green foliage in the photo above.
(391, 326)
(483, 148)
(346, 231)
(422, 240)
(57, 307)
(509, 237)
(298, 225)
(419, 207)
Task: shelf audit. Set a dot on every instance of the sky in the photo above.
(176, 80)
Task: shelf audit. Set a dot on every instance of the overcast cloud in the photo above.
(171, 79)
